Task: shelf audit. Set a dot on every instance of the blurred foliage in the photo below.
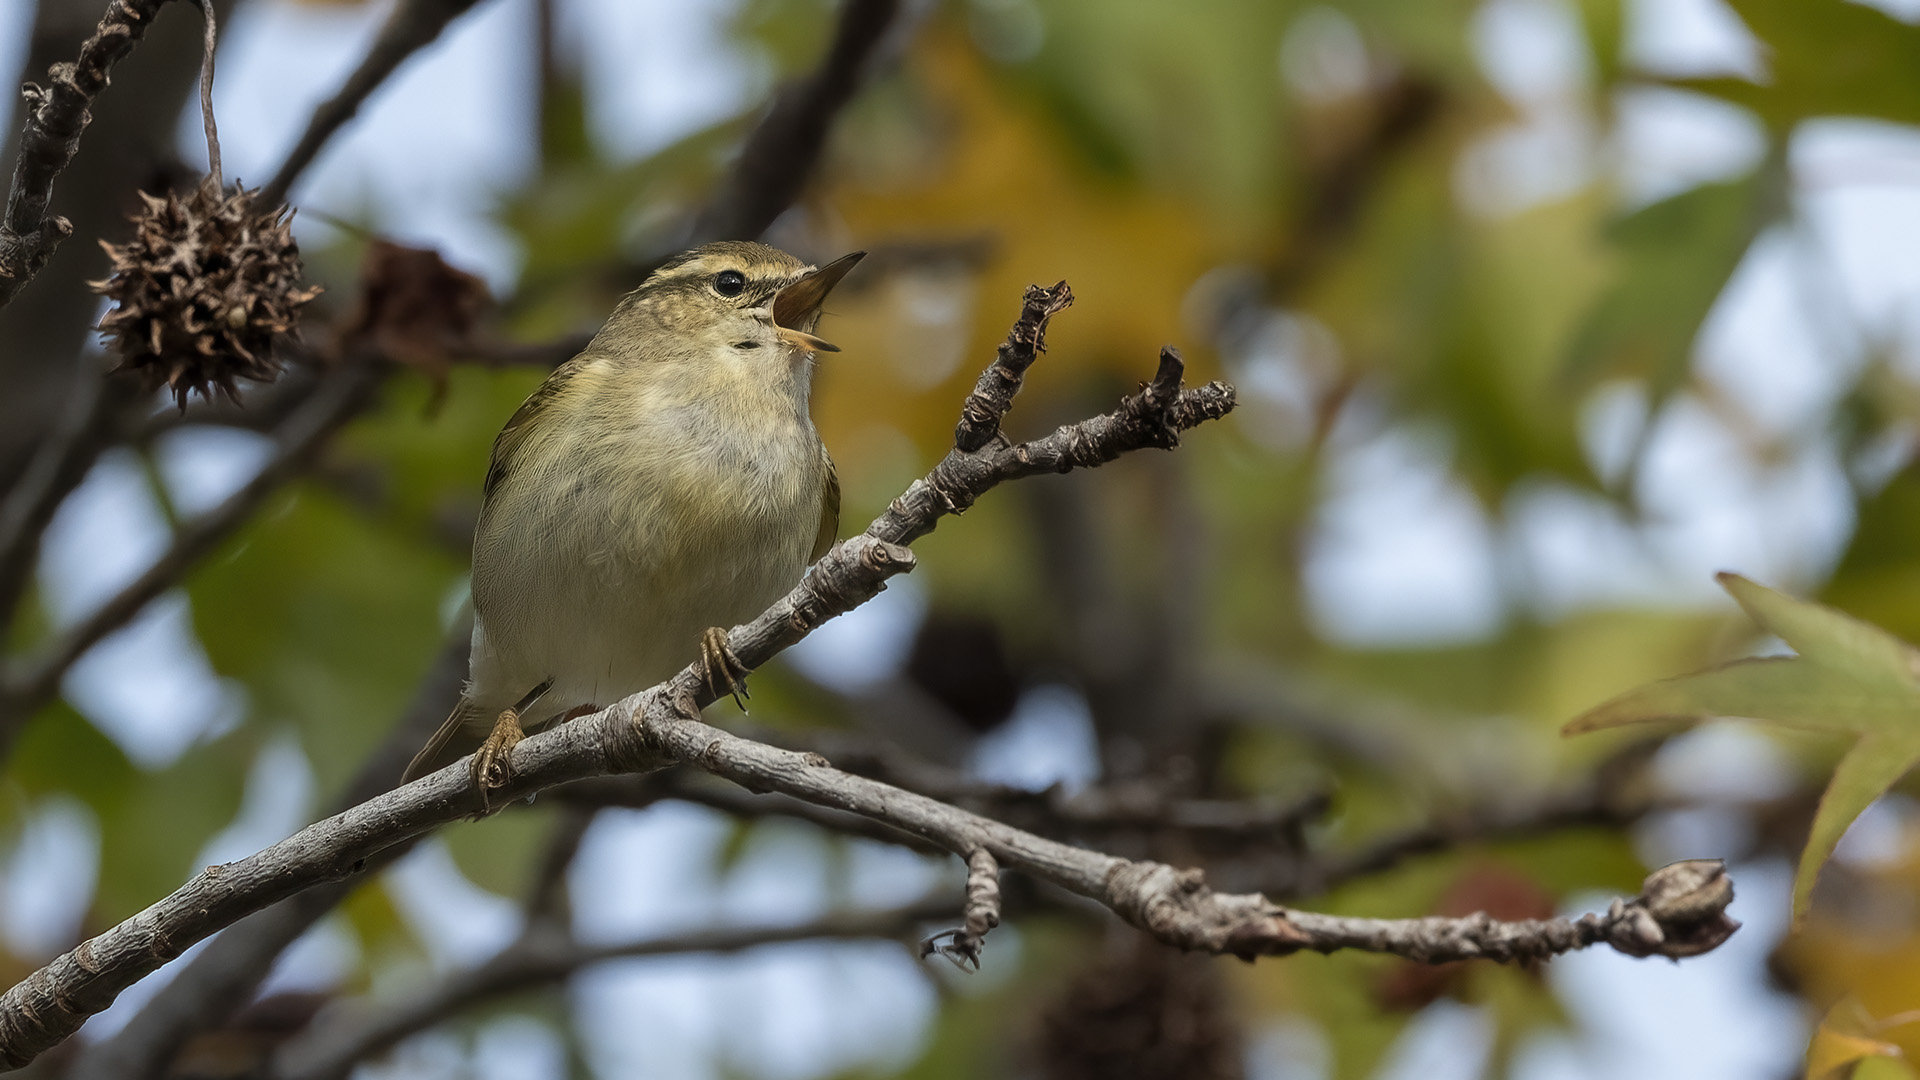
(1846, 676)
(1308, 198)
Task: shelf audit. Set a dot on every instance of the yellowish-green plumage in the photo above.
(666, 480)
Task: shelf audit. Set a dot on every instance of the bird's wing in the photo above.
(465, 715)
(524, 422)
(829, 511)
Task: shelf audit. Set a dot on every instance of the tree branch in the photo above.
(56, 116)
(779, 156)
(58, 466)
(331, 1049)
(227, 972)
(338, 399)
(963, 946)
(1096, 812)
(655, 728)
(411, 26)
(1175, 906)
(691, 786)
(993, 395)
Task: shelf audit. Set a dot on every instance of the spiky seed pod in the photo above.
(202, 289)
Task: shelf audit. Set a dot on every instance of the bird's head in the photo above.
(745, 302)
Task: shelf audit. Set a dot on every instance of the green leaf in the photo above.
(1826, 58)
(1849, 677)
(1676, 257)
(1879, 577)
(501, 853)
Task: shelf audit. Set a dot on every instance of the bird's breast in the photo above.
(603, 567)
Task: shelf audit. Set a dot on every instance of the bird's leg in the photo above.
(725, 674)
(493, 763)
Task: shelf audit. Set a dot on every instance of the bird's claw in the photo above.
(492, 763)
(725, 674)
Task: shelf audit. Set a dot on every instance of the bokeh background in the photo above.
(1541, 312)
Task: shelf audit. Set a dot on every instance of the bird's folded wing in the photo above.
(829, 512)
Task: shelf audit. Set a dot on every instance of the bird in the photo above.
(663, 484)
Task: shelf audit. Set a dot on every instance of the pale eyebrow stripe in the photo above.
(691, 268)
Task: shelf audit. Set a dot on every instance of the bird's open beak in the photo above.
(798, 304)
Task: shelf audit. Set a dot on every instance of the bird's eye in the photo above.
(729, 282)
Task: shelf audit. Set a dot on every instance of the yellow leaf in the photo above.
(1845, 1039)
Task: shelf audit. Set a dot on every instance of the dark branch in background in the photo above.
(1099, 812)
(1404, 109)
(546, 900)
(1593, 804)
(691, 786)
(655, 728)
(778, 158)
(342, 396)
(412, 25)
(336, 1044)
(58, 466)
(215, 984)
(56, 116)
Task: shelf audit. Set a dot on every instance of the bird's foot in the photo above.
(725, 674)
(492, 763)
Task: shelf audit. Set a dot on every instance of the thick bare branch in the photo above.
(412, 25)
(56, 116)
(336, 1044)
(225, 975)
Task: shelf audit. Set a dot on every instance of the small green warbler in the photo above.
(665, 483)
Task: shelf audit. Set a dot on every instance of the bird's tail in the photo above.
(443, 749)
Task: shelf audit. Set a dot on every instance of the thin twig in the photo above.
(993, 395)
(56, 116)
(209, 45)
(982, 913)
(335, 1044)
(338, 399)
(412, 25)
